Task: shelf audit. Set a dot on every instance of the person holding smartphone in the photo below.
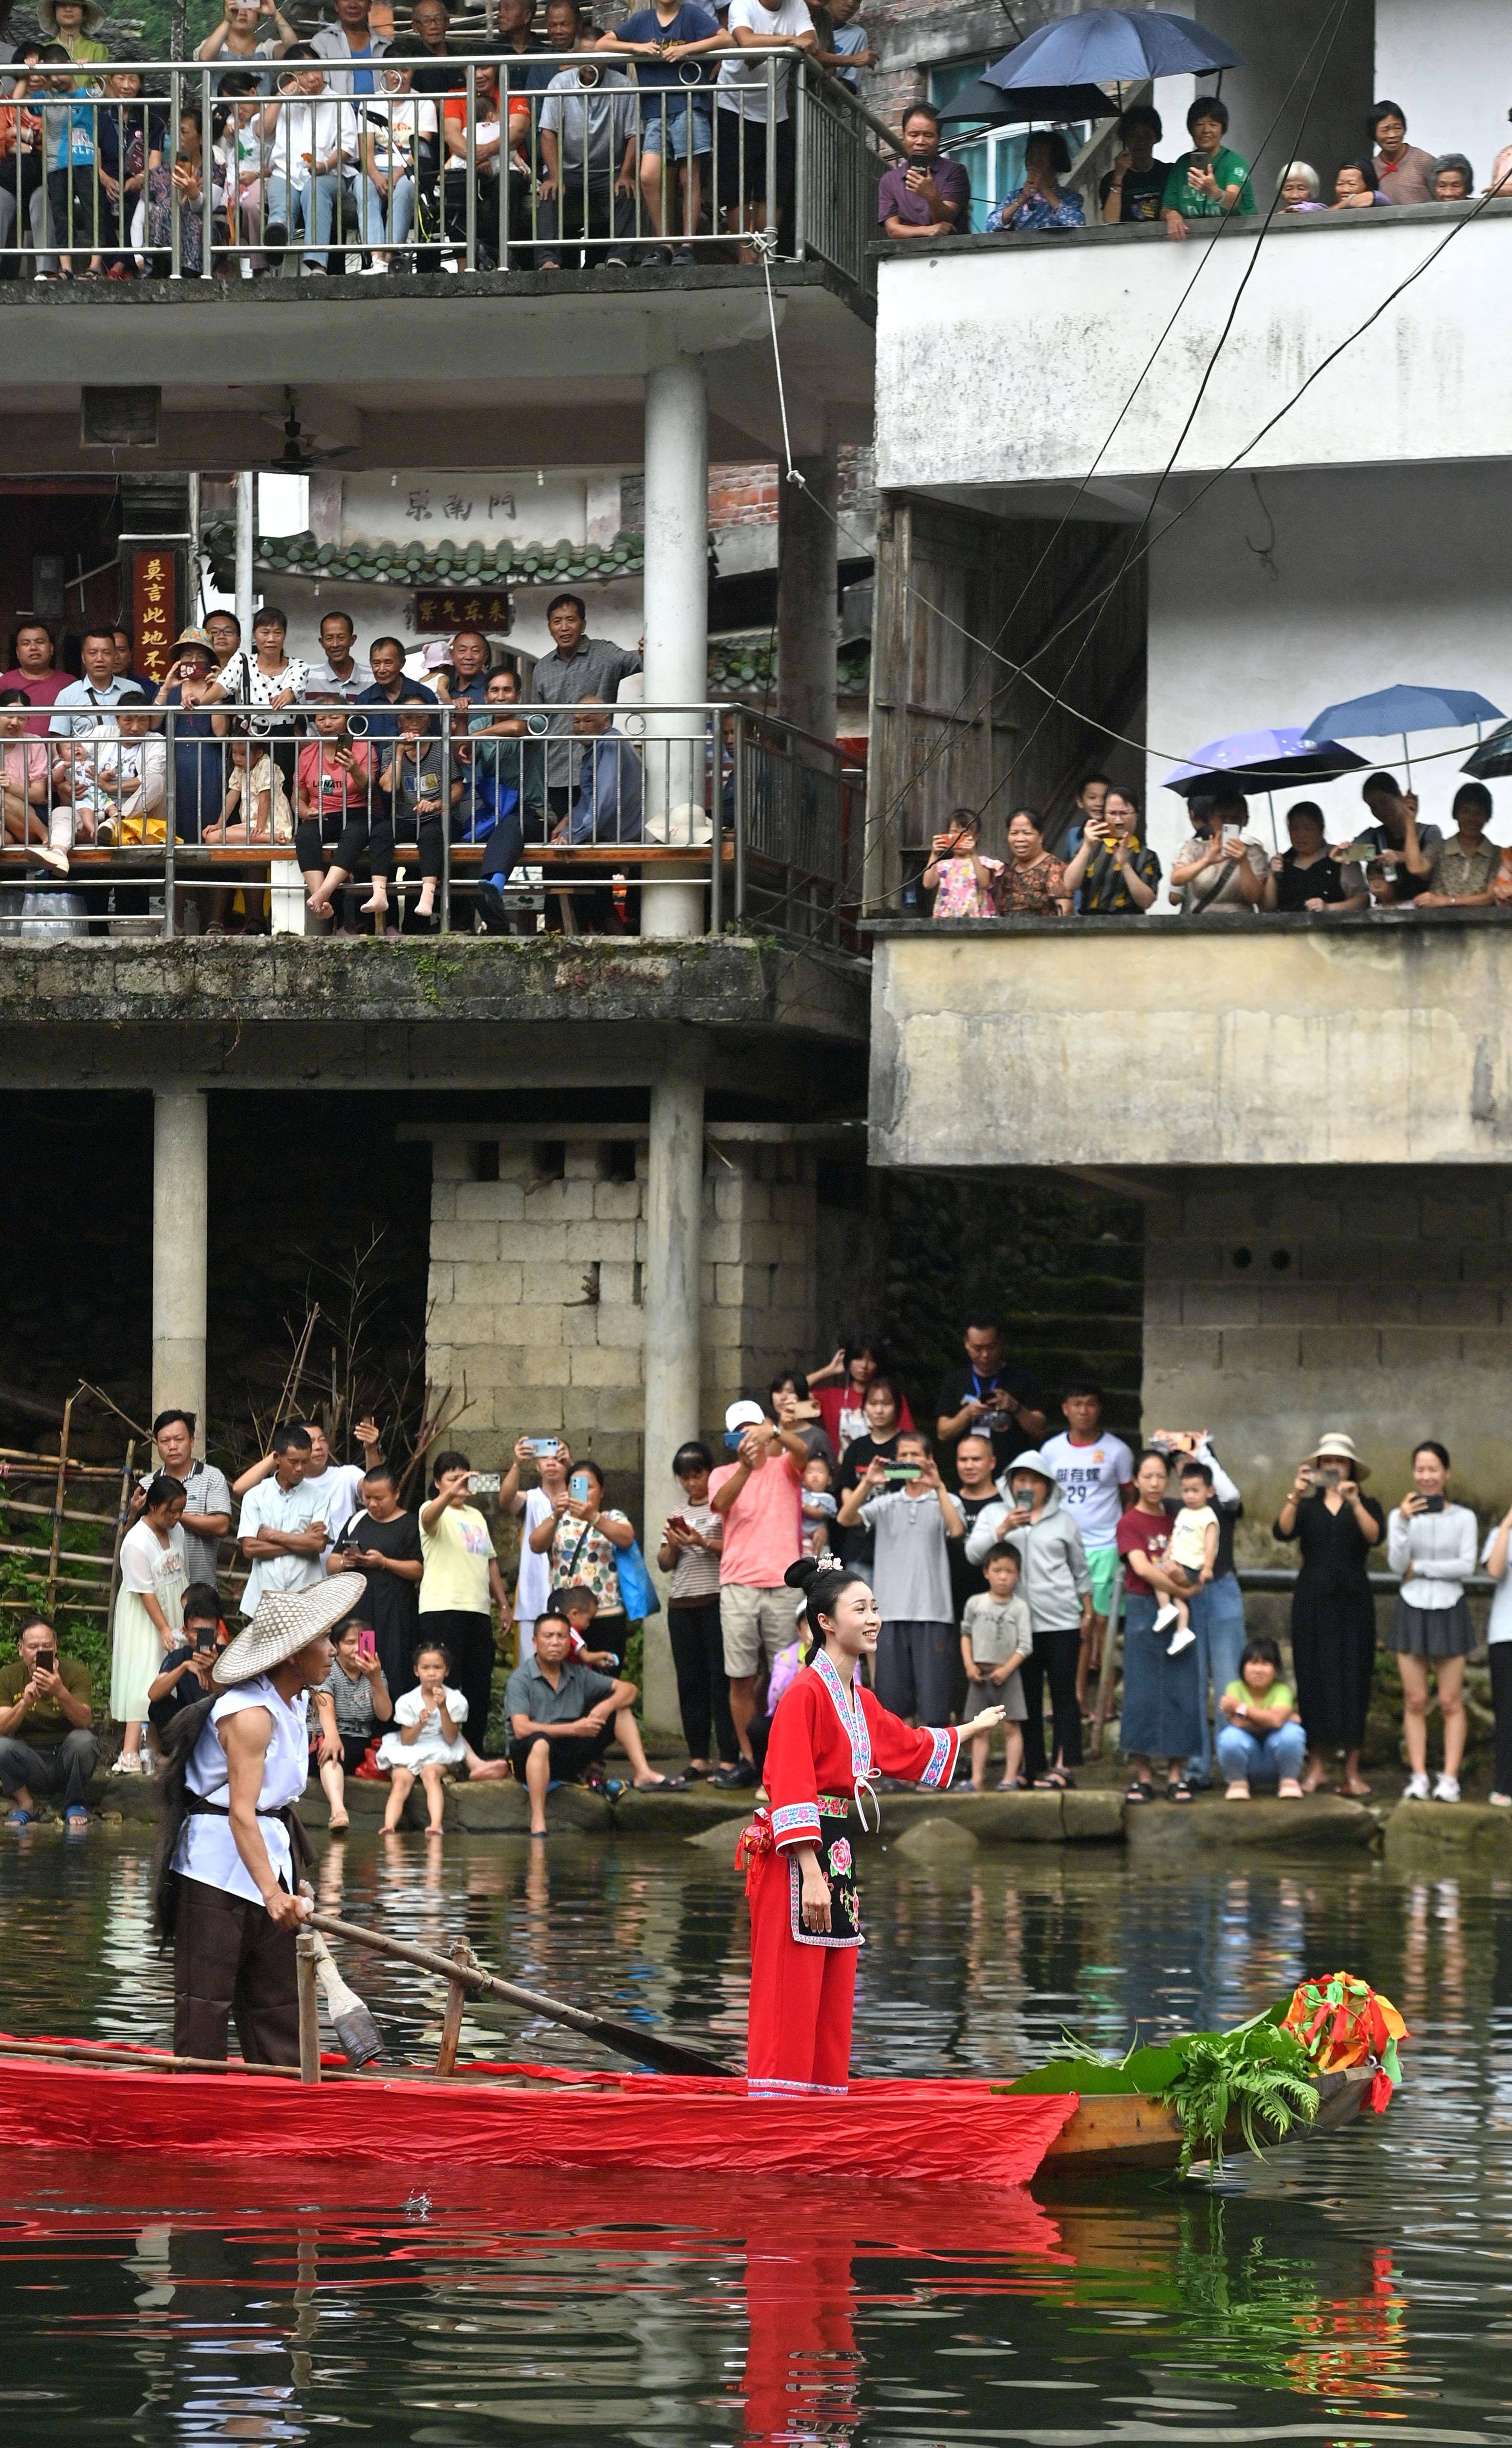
(460, 1577)
(382, 1541)
(47, 1742)
(184, 1675)
(1432, 1543)
(350, 1705)
(1333, 1607)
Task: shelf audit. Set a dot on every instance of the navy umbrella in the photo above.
(986, 103)
(1492, 760)
(1391, 713)
(1113, 47)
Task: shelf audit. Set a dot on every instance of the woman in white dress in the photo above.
(149, 1610)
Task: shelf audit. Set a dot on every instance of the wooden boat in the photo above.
(90, 2096)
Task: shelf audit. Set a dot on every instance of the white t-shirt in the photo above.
(1189, 1537)
(335, 1496)
(1500, 1626)
(207, 1849)
(533, 1586)
(150, 1570)
(741, 83)
(1089, 1477)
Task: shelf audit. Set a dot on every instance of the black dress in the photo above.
(1333, 1622)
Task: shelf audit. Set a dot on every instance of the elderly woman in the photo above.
(1299, 188)
(1452, 179)
(1460, 871)
(1041, 202)
(1354, 189)
(1032, 884)
(1162, 1706)
(1333, 1609)
(1307, 876)
(1432, 1544)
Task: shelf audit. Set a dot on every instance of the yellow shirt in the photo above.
(456, 1555)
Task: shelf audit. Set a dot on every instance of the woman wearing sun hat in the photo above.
(1333, 1608)
(74, 24)
(232, 1904)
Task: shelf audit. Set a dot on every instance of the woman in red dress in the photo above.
(830, 1737)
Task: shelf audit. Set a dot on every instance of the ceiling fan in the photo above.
(297, 458)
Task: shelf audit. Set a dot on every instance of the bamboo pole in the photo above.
(451, 2020)
(122, 1511)
(306, 1955)
(57, 1508)
(10, 1503)
(46, 1461)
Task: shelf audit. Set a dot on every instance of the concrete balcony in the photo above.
(1003, 362)
(1099, 1043)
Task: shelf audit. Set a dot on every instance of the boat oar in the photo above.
(643, 2048)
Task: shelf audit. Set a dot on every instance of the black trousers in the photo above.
(1052, 1657)
(915, 1669)
(609, 216)
(231, 1963)
(357, 837)
(1500, 1655)
(704, 1687)
(570, 1753)
(470, 1640)
(73, 207)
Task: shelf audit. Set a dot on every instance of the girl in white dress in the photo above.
(427, 1737)
(149, 1610)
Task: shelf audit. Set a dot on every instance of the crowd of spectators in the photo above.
(343, 758)
(929, 195)
(1395, 863)
(373, 142)
(998, 1552)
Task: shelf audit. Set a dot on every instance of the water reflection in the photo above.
(1353, 2290)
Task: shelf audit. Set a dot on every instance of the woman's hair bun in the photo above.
(798, 1576)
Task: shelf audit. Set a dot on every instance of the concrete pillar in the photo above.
(673, 1238)
(181, 1245)
(807, 610)
(676, 624)
(246, 527)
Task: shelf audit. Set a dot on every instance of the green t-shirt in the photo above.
(1227, 168)
(1278, 1696)
(46, 1725)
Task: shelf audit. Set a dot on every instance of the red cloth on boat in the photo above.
(933, 2130)
(803, 1986)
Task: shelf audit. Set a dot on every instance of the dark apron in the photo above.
(837, 1865)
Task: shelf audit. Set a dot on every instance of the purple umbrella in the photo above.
(1263, 760)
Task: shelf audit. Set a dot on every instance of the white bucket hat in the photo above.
(1338, 1447)
(284, 1622)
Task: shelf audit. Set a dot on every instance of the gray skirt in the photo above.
(1433, 1631)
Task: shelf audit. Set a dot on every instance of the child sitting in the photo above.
(1189, 1559)
(337, 810)
(423, 785)
(819, 1506)
(961, 880)
(428, 1737)
(996, 1637)
(1260, 1734)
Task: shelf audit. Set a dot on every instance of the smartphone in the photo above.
(543, 1448)
(1432, 1504)
(578, 1486)
(483, 1483)
(806, 1411)
(898, 1472)
(45, 1660)
(678, 1521)
(367, 1641)
(734, 1439)
(204, 1638)
(1332, 1476)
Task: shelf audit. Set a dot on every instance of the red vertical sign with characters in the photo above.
(154, 626)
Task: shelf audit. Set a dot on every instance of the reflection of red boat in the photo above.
(533, 2117)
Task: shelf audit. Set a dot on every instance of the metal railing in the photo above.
(501, 818)
(634, 164)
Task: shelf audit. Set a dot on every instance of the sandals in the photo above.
(1140, 1791)
(19, 1818)
(1055, 1780)
(664, 1784)
(1178, 1791)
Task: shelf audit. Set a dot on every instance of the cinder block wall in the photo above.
(536, 1291)
(1282, 1304)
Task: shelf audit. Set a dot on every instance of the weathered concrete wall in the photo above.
(536, 1291)
(1283, 1304)
(1078, 313)
(1224, 1042)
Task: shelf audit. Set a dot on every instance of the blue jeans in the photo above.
(320, 209)
(1279, 1754)
(386, 220)
(1217, 1620)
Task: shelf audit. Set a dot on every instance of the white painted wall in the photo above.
(1376, 581)
(1448, 62)
(1007, 363)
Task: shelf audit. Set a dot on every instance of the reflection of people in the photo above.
(829, 1737)
(226, 1874)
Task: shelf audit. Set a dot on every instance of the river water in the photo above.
(1355, 2290)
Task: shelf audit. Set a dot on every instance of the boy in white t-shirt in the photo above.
(1094, 1472)
(1191, 1555)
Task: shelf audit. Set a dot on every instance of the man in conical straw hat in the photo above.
(235, 1907)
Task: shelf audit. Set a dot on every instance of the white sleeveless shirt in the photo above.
(207, 1849)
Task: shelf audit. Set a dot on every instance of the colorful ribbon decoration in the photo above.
(1341, 2023)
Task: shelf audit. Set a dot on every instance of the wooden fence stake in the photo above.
(451, 2019)
(305, 1960)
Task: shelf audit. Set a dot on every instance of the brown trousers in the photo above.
(230, 1961)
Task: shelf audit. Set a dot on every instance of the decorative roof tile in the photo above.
(385, 563)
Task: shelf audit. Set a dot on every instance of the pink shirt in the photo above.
(763, 1529)
(45, 691)
(25, 762)
(959, 895)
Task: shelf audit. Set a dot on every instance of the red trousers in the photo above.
(802, 1997)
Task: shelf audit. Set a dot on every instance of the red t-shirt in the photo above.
(832, 1400)
(336, 789)
(1150, 1531)
(45, 691)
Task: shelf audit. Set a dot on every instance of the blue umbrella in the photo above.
(1263, 760)
(1394, 712)
(1113, 47)
(980, 101)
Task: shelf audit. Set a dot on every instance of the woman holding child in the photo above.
(1162, 1710)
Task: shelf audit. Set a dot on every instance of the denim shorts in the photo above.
(681, 111)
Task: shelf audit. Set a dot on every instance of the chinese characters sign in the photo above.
(483, 609)
(155, 618)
